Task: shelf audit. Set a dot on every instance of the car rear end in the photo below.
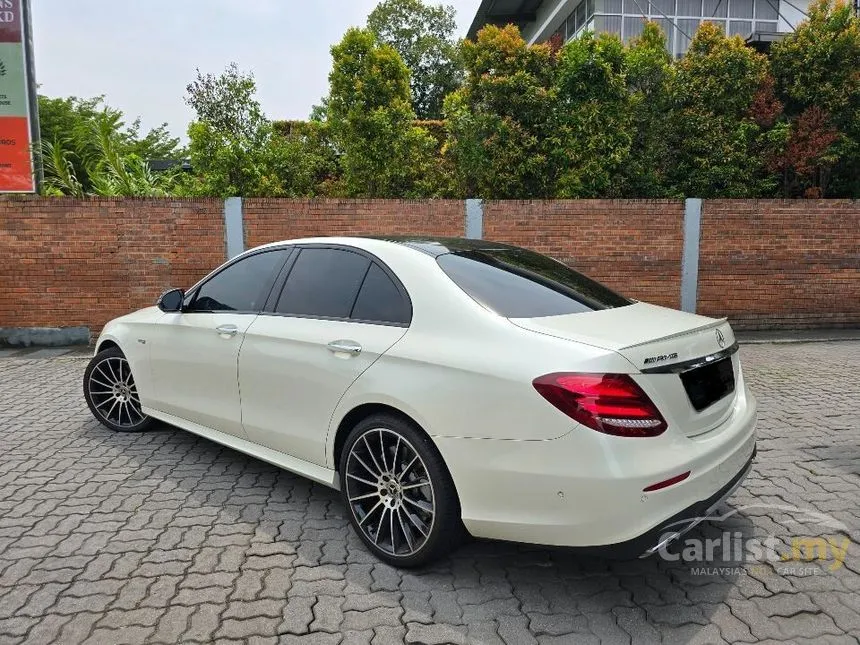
(683, 435)
(654, 446)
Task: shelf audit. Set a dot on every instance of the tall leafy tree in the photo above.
(716, 143)
(229, 135)
(235, 150)
(649, 77)
(592, 127)
(817, 72)
(227, 102)
(310, 165)
(423, 35)
(369, 111)
(500, 121)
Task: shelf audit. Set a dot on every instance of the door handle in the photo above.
(227, 330)
(345, 346)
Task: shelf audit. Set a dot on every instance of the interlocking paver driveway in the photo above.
(164, 537)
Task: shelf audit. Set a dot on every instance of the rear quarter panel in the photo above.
(466, 372)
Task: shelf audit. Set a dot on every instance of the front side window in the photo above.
(242, 286)
(323, 283)
(516, 283)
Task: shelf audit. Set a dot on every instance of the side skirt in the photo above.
(301, 467)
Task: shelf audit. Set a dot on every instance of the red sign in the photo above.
(16, 167)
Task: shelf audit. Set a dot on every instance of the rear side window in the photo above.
(517, 283)
(242, 286)
(380, 300)
(324, 283)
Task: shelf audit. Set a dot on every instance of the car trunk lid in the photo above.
(686, 363)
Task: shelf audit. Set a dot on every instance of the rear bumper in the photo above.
(586, 489)
(685, 521)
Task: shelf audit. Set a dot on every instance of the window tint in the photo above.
(516, 283)
(242, 286)
(380, 299)
(323, 282)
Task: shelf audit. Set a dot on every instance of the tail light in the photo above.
(609, 403)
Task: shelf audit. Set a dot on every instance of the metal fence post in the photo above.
(474, 219)
(690, 255)
(234, 228)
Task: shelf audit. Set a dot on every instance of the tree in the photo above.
(423, 35)
(649, 77)
(804, 153)
(117, 173)
(111, 169)
(383, 154)
(499, 121)
(60, 175)
(592, 127)
(234, 150)
(716, 144)
(311, 166)
(67, 125)
(817, 72)
(227, 102)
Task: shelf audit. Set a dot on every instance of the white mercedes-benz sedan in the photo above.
(443, 384)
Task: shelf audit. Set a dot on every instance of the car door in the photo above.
(339, 310)
(194, 353)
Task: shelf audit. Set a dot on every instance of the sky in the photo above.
(141, 55)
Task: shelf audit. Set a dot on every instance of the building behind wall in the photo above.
(757, 21)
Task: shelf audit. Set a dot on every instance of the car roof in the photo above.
(429, 245)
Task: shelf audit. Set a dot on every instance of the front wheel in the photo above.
(399, 493)
(111, 393)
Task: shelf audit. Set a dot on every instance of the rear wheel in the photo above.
(398, 491)
(111, 392)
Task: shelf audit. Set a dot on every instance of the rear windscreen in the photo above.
(516, 283)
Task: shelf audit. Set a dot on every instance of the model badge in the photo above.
(662, 357)
(721, 340)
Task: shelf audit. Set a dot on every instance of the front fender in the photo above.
(130, 334)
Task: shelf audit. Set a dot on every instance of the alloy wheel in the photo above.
(114, 394)
(390, 492)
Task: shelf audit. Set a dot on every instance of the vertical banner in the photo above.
(16, 155)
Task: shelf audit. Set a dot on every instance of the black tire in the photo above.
(111, 393)
(401, 499)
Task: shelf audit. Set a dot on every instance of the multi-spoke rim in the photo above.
(390, 492)
(114, 394)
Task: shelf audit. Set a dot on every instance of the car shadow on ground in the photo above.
(547, 590)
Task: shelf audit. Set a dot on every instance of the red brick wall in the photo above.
(768, 263)
(632, 246)
(271, 220)
(67, 262)
(780, 263)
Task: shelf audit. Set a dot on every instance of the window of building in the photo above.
(715, 8)
(660, 7)
(677, 18)
(633, 27)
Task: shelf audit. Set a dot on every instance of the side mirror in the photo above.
(171, 301)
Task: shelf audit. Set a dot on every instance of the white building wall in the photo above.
(549, 17)
(790, 17)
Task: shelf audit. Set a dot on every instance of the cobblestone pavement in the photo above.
(163, 537)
